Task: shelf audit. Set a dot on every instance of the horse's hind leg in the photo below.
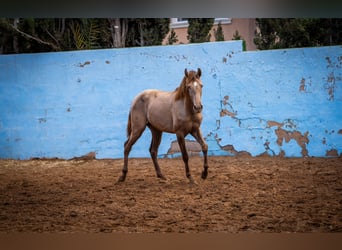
(156, 138)
(134, 135)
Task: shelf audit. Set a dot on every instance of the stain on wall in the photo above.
(67, 104)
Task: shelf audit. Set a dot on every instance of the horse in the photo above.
(178, 112)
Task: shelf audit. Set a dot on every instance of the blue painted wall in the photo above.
(279, 102)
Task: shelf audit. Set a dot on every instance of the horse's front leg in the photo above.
(198, 136)
(181, 142)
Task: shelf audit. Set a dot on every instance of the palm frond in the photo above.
(78, 36)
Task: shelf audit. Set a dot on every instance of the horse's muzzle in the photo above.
(198, 108)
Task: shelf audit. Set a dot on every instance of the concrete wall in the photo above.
(279, 102)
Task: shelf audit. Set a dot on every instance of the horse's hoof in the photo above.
(161, 176)
(121, 179)
(204, 175)
(193, 182)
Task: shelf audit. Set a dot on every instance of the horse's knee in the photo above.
(153, 153)
(205, 147)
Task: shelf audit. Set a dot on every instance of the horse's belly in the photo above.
(161, 119)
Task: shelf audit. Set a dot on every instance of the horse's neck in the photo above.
(188, 106)
(185, 99)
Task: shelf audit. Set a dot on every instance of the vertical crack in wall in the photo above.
(302, 85)
(268, 149)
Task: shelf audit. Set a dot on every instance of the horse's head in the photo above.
(193, 88)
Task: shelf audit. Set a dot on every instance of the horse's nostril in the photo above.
(198, 108)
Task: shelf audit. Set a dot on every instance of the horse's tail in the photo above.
(129, 126)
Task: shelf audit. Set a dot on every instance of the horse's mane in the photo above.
(181, 90)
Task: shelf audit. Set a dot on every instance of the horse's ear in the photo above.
(199, 72)
(186, 72)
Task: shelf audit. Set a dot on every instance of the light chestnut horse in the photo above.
(177, 112)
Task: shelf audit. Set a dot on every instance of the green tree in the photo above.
(219, 36)
(199, 28)
(29, 35)
(237, 36)
(147, 31)
(118, 30)
(275, 33)
(7, 37)
(172, 38)
(86, 33)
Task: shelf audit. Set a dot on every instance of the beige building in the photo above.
(245, 26)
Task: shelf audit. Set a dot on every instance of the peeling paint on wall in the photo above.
(226, 105)
(274, 124)
(332, 152)
(304, 84)
(302, 140)
(84, 64)
(330, 86)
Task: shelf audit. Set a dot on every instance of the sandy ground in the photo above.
(261, 194)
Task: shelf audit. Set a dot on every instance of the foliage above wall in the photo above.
(277, 33)
(27, 35)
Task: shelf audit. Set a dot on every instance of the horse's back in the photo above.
(153, 97)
